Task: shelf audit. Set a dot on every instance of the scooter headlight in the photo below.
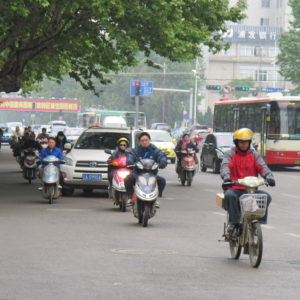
(123, 174)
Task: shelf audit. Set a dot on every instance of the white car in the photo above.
(86, 163)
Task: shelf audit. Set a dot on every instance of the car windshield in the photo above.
(160, 137)
(225, 141)
(99, 140)
(73, 131)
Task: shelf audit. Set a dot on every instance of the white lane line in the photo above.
(268, 226)
(290, 195)
(293, 235)
(219, 214)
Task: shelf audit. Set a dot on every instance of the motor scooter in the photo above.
(188, 166)
(50, 178)
(31, 158)
(145, 191)
(117, 191)
(253, 207)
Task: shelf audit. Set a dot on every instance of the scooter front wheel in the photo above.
(50, 193)
(123, 202)
(146, 214)
(255, 244)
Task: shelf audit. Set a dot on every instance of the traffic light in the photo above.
(241, 88)
(214, 87)
(137, 85)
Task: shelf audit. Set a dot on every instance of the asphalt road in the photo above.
(82, 247)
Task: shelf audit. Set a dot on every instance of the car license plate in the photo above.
(94, 177)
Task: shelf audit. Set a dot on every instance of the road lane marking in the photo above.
(219, 214)
(293, 235)
(290, 195)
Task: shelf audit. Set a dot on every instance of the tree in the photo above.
(88, 39)
(289, 44)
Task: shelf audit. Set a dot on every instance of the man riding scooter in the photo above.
(145, 150)
(238, 163)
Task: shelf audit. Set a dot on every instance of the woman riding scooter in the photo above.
(122, 145)
(184, 144)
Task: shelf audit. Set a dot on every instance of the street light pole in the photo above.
(195, 93)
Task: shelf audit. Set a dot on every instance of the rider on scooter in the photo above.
(143, 151)
(122, 145)
(50, 150)
(240, 162)
(184, 144)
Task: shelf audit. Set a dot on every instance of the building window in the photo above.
(261, 75)
(265, 3)
(264, 22)
(247, 50)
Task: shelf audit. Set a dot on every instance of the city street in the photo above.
(82, 247)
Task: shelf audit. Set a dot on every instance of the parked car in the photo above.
(213, 149)
(161, 126)
(73, 133)
(163, 140)
(86, 162)
(7, 133)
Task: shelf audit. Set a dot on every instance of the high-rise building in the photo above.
(253, 50)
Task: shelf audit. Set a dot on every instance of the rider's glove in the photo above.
(270, 181)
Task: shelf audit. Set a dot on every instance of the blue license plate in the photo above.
(94, 177)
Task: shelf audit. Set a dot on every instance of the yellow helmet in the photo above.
(123, 139)
(243, 134)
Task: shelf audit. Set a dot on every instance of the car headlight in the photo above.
(220, 154)
(69, 161)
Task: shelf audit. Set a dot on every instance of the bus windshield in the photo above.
(285, 120)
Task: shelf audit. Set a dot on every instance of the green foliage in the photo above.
(289, 45)
(89, 39)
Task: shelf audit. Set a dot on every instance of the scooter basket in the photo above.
(253, 206)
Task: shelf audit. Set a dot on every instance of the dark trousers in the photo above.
(232, 205)
(131, 179)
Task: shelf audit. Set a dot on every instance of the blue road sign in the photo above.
(146, 88)
(274, 90)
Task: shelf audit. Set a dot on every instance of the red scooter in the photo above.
(188, 166)
(117, 190)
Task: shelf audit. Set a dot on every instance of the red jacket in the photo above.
(237, 164)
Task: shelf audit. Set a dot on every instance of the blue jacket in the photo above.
(46, 152)
(151, 152)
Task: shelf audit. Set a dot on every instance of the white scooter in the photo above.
(50, 178)
(145, 191)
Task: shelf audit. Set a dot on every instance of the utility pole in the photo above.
(163, 118)
(195, 93)
(137, 103)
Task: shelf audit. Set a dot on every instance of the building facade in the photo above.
(253, 50)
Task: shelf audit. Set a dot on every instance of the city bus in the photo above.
(275, 121)
(88, 118)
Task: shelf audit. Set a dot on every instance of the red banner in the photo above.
(47, 105)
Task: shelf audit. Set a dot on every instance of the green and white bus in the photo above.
(114, 118)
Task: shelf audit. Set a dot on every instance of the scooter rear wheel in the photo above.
(123, 202)
(235, 249)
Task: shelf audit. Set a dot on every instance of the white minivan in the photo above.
(86, 163)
